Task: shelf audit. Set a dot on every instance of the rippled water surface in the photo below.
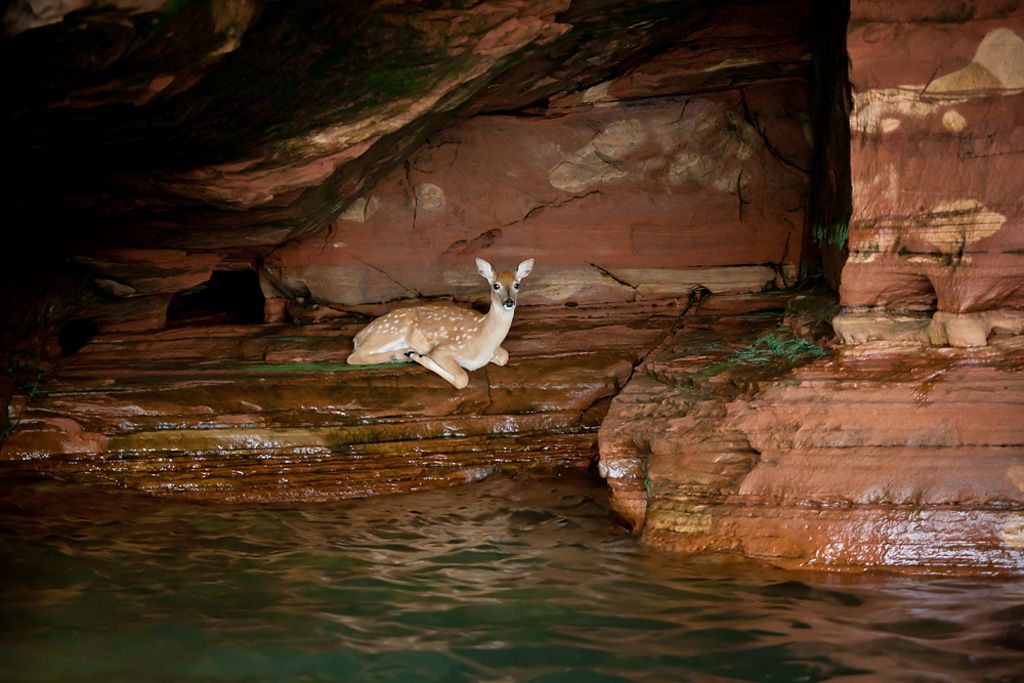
(497, 581)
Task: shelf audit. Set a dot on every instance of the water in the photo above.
(498, 581)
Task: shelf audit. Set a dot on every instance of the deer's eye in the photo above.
(515, 286)
(496, 286)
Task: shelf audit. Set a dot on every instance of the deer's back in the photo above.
(437, 323)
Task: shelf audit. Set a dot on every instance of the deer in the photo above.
(442, 337)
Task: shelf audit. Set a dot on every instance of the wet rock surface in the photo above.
(272, 412)
(345, 158)
(880, 455)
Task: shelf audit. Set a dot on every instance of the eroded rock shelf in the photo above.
(719, 427)
(272, 412)
(881, 455)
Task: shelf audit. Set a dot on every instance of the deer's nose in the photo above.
(509, 303)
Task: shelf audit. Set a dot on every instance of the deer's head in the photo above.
(504, 285)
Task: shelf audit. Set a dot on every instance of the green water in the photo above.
(497, 581)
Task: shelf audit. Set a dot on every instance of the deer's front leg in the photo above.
(446, 367)
(500, 356)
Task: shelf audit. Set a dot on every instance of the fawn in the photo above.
(442, 337)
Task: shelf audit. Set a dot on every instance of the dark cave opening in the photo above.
(228, 297)
(75, 334)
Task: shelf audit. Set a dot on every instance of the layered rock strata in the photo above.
(370, 159)
(157, 141)
(938, 215)
(623, 192)
(272, 413)
(735, 438)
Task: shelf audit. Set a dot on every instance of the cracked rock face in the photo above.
(653, 191)
(618, 197)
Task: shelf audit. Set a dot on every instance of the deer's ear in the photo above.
(485, 269)
(524, 269)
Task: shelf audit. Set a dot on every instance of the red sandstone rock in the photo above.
(889, 455)
(657, 188)
(215, 165)
(937, 208)
(739, 45)
(273, 413)
(883, 456)
(165, 142)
